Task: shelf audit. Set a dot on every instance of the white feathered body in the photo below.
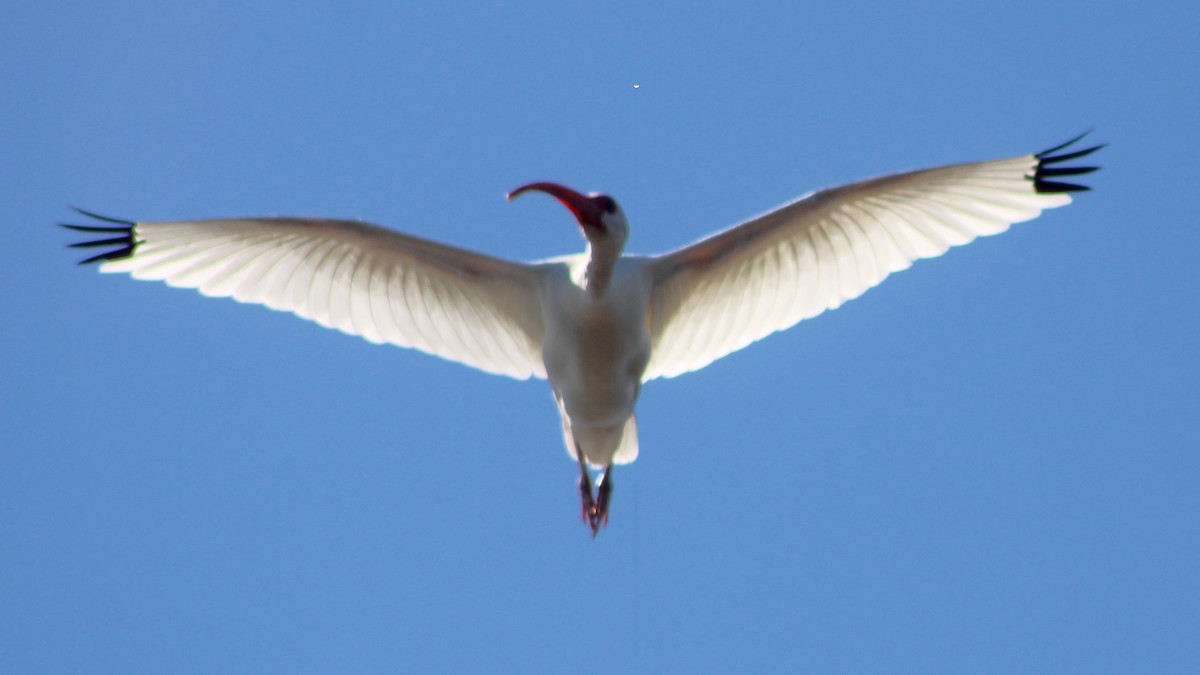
(597, 345)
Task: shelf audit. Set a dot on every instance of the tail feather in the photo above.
(627, 451)
(624, 452)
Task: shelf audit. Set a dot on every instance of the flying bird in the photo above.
(600, 323)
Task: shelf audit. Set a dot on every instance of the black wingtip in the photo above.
(97, 216)
(1044, 169)
(125, 243)
(118, 254)
(1050, 186)
(1051, 151)
(92, 228)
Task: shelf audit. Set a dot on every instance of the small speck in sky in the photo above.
(636, 85)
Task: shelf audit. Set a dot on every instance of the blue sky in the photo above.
(988, 463)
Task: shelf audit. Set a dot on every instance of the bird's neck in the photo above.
(599, 270)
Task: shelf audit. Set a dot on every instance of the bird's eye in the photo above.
(607, 203)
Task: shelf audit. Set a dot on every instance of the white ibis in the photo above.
(597, 324)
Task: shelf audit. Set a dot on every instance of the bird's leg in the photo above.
(594, 511)
(585, 489)
(603, 495)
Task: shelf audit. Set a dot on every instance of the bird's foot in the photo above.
(594, 511)
(585, 498)
(603, 496)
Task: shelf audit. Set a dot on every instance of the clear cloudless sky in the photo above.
(987, 464)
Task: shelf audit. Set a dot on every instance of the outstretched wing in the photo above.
(353, 276)
(733, 288)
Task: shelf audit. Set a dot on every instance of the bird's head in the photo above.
(600, 217)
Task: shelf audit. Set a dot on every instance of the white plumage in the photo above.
(600, 323)
(357, 278)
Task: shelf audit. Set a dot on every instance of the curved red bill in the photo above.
(585, 209)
